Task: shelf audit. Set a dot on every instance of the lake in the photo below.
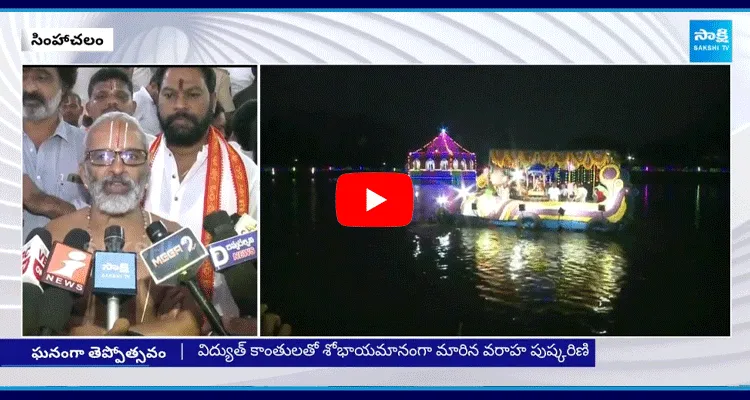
(667, 275)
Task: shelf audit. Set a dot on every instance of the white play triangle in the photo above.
(373, 200)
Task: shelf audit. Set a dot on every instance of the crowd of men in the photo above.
(174, 151)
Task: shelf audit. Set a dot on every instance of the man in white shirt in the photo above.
(224, 91)
(241, 78)
(52, 148)
(581, 194)
(141, 76)
(554, 193)
(146, 112)
(194, 170)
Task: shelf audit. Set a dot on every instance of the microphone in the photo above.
(32, 299)
(175, 258)
(234, 256)
(114, 272)
(65, 279)
(35, 253)
(244, 224)
(114, 238)
(34, 257)
(172, 256)
(227, 248)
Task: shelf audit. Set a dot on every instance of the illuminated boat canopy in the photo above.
(588, 159)
(442, 154)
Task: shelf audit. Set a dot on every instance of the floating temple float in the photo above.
(440, 170)
(515, 191)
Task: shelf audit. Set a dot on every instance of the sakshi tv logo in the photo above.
(711, 41)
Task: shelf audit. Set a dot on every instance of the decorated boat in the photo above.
(568, 190)
(439, 171)
(442, 161)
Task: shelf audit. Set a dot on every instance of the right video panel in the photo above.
(544, 200)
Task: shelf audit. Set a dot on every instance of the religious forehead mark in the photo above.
(118, 134)
(117, 137)
(125, 136)
(111, 130)
(181, 84)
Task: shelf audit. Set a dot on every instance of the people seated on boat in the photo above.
(537, 185)
(572, 190)
(514, 192)
(501, 191)
(455, 164)
(505, 192)
(463, 164)
(599, 193)
(417, 164)
(563, 192)
(430, 164)
(554, 193)
(444, 164)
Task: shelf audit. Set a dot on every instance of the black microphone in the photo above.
(235, 218)
(65, 279)
(35, 255)
(158, 234)
(239, 277)
(32, 299)
(42, 233)
(114, 238)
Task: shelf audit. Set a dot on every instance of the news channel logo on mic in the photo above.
(235, 250)
(68, 268)
(34, 257)
(176, 254)
(115, 273)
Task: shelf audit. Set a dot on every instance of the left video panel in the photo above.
(140, 201)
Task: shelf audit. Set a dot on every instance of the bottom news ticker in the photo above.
(255, 352)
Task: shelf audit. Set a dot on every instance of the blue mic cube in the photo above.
(115, 273)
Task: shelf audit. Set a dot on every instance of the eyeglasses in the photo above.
(130, 157)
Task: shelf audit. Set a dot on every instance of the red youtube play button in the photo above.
(374, 199)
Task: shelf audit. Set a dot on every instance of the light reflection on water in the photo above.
(573, 272)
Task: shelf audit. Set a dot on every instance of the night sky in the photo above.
(366, 115)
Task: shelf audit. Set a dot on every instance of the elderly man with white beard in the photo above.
(115, 170)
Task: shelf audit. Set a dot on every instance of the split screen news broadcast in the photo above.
(140, 195)
(375, 198)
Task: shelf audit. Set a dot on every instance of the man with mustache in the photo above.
(195, 171)
(51, 149)
(116, 172)
(110, 89)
